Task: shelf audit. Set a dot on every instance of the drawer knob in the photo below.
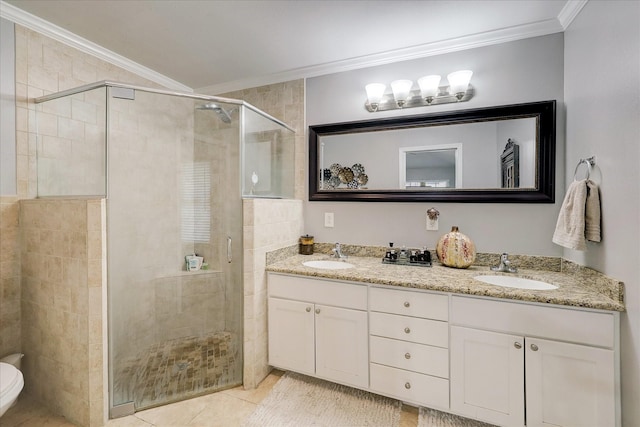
(407, 330)
(407, 304)
(517, 345)
(308, 309)
(407, 385)
(407, 355)
(534, 347)
(317, 311)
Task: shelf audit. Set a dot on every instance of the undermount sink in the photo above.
(516, 282)
(328, 265)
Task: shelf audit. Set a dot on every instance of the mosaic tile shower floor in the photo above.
(175, 369)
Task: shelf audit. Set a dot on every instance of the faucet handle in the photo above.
(337, 251)
(505, 264)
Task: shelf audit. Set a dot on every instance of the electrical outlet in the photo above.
(432, 224)
(328, 219)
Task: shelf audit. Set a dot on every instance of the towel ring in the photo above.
(589, 162)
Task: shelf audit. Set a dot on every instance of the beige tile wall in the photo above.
(72, 145)
(45, 66)
(63, 306)
(218, 144)
(268, 225)
(285, 102)
(146, 154)
(10, 327)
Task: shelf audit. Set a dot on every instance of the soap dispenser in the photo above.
(306, 245)
(403, 254)
(391, 253)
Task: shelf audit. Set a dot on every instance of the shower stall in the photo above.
(173, 168)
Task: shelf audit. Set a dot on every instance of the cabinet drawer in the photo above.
(318, 291)
(422, 331)
(408, 303)
(410, 386)
(421, 358)
(563, 324)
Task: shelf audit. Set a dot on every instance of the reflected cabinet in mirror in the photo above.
(495, 154)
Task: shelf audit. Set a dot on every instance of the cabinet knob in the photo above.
(534, 347)
(407, 355)
(308, 309)
(407, 330)
(317, 311)
(517, 345)
(407, 385)
(407, 304)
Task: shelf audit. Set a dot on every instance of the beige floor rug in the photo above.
(298, 400)
(432, 418)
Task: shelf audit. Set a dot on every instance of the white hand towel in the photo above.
(570, 227)
(592, 213)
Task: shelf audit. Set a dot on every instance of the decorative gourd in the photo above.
(455, 249)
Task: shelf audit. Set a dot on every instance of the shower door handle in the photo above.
(229, 257)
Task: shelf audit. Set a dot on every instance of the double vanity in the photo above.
(442, 338)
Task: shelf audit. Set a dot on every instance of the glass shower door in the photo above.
(173, 191)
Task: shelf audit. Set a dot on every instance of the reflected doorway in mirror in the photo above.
(433, 166)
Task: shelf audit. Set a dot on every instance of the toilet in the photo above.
(11, 381)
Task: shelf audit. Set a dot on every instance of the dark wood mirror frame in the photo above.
(544, 112)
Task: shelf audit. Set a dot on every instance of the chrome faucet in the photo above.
(505, 265)
(337, 252)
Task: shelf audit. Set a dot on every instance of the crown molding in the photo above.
(569, 12)
(488, 38)
(504, 35)
(32, 22)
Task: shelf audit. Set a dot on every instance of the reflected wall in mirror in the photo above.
(495, 154)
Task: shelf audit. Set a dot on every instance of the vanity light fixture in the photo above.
(429, 93)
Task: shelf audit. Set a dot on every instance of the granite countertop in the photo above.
(589, 290)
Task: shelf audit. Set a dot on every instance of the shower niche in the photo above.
(173, 169)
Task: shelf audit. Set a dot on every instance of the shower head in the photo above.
(223, 114)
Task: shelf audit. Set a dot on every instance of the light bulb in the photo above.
(375, 92)
(459, 82)
(401, 90)
(429, 87)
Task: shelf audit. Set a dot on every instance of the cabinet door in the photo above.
(341, 345)
(487, 376)
(291, 335)
(569, 385)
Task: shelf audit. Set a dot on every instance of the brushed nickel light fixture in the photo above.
(429, 93)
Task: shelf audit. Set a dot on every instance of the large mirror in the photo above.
(496, 154)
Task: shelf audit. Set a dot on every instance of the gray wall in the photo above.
(7, 109)
(602, 95)
(510, 73)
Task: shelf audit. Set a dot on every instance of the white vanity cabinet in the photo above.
(555, 364)
(409, 341)
(319, 327)
(509, 363)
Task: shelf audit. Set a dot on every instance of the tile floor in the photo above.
(227, 408)
(186, 366)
